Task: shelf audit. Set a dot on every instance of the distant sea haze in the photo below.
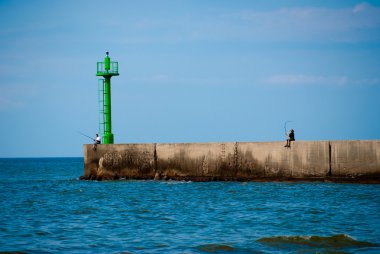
(45, 208)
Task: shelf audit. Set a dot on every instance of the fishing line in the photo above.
(286, 132)
(85, 135)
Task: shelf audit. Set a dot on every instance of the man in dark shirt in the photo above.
(291, 138)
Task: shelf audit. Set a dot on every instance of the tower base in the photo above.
(108, 138)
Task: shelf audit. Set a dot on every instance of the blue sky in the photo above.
(190, 71)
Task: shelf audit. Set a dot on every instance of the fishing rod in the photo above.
(85, 135)
(286, 133)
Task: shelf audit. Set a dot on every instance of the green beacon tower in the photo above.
(106, 69)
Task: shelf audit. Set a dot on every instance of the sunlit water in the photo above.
(46, 209)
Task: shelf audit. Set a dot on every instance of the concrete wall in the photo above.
(114, 161)
(234, 161)
(355, 158)
(303, 159)
(195, 159)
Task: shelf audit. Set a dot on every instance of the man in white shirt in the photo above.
(97, 141)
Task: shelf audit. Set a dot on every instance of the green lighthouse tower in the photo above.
(106, 69)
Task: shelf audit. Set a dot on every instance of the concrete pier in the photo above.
(339, 161)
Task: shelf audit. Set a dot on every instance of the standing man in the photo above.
(291, 138)
(97, 141)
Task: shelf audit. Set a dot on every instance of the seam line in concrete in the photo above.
(330, 158)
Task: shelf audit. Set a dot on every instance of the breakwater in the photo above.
(346, 161)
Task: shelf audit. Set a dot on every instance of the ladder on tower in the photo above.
(101, 107)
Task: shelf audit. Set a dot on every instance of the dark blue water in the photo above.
(46, 209)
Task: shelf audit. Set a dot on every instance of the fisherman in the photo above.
(290, 138)
(97, 141)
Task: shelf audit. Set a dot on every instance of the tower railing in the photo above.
(101, 68)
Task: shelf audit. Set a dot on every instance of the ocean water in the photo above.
(45, 208)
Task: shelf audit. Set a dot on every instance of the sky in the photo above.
(190, 71)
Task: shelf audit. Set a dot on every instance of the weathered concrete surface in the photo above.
(115, 161)
(355, 158)
(245, 161)
(303, 159)
(196, 160)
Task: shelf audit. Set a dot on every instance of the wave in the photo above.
(226, 249)
(335, 242)
(212, 248)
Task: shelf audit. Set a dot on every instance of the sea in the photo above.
(45, 208)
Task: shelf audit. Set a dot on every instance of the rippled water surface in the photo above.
(44, 208)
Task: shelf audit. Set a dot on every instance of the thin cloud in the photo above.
(310, 80)
(153, 79)
(356, 23)
(367, 81)
(8, 104)
(15, 96)
(310, 23)
(306, 80)
(361, 7)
